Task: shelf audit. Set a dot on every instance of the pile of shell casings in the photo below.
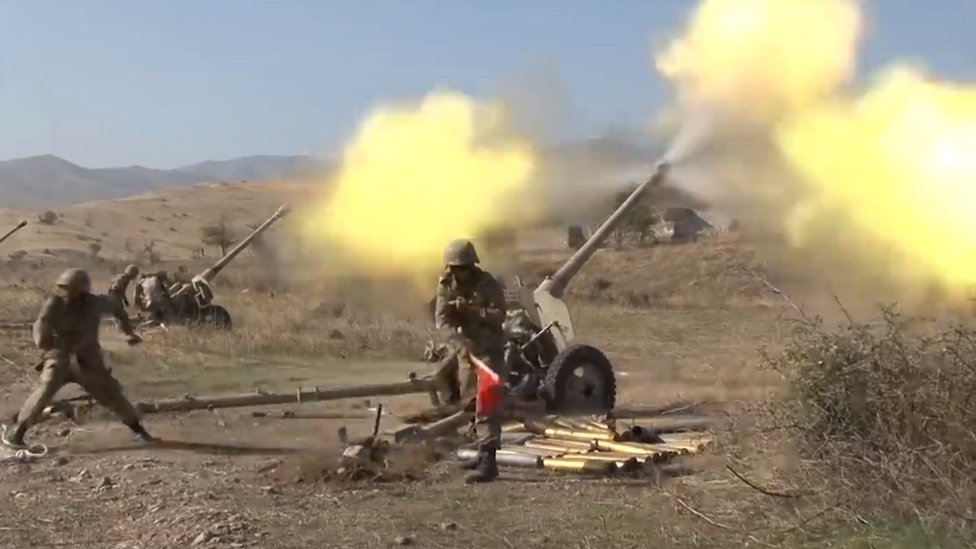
(595, 446)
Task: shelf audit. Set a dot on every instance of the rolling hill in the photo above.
(49, 181)
(121, 210)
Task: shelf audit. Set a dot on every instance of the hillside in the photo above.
(171, 218)
(46, 181)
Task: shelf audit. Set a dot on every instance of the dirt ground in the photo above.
(237, 478)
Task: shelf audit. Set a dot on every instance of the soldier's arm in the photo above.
(116, 309)
(43, 327)
(443, 311)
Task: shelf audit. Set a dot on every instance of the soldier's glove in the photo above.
(461, 306)
(133, 340)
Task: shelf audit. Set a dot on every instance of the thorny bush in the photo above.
(885, 412)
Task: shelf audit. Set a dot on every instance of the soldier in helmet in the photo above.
(66, 328)
(120, 284)
(471, 303)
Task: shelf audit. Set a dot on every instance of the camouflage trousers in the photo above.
(57, 370)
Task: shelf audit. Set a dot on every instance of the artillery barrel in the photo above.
(210, 273)
(298, 396)
(556, 284)
(177, 289)
(19, 226)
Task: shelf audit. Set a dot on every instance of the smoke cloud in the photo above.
(880, 183)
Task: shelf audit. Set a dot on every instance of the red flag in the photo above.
(489, 388)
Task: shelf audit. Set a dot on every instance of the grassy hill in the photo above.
(172, 218)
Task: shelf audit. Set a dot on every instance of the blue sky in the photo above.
(170, 82)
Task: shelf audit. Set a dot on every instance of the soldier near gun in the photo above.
(152, 296)
(471, 303)
(67, 327)
(120, 284)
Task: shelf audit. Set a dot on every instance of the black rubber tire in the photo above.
(215, 316)
(564, 365)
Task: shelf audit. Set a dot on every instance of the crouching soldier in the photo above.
(471, 304)
(152, 297)
(66, 328)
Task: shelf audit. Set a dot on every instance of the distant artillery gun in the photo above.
(193, 302)
(10, 233)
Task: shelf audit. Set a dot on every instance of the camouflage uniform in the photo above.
(152, 296)
(473, 308)
(120, 284)
(66, 327)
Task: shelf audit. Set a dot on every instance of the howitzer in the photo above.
(10, 233)
(193, 301)
(540, 353)
(547, 298)
(568, 376)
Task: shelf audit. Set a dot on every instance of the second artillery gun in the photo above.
(193, 302)
(10, 233)
(541, 355)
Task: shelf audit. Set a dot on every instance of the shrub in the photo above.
(47, 218)
(886, 413)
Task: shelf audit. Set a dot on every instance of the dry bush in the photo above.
(884, 413)
(277, 317)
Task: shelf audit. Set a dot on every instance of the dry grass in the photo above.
(678, 322)
(172, 218)
(714, 273)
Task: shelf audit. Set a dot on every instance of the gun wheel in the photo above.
(580, 380)
(215, 316)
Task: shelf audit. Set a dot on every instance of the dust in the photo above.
(401, 463)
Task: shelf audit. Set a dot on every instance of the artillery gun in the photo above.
(542, 358)
(10, 233)
(194, 301)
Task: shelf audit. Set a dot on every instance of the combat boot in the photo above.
(487, 469)
(472, 462)
(141, 434)
(13, 438)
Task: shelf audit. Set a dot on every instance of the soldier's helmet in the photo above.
(74, 280)
(131, 271)
(460, 253)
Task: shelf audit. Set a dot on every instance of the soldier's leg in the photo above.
(495, 359)
(487, 468)
(54, 375)
(95, 378)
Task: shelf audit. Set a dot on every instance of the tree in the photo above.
(18, 256)
(219, 234)
(47, 218)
